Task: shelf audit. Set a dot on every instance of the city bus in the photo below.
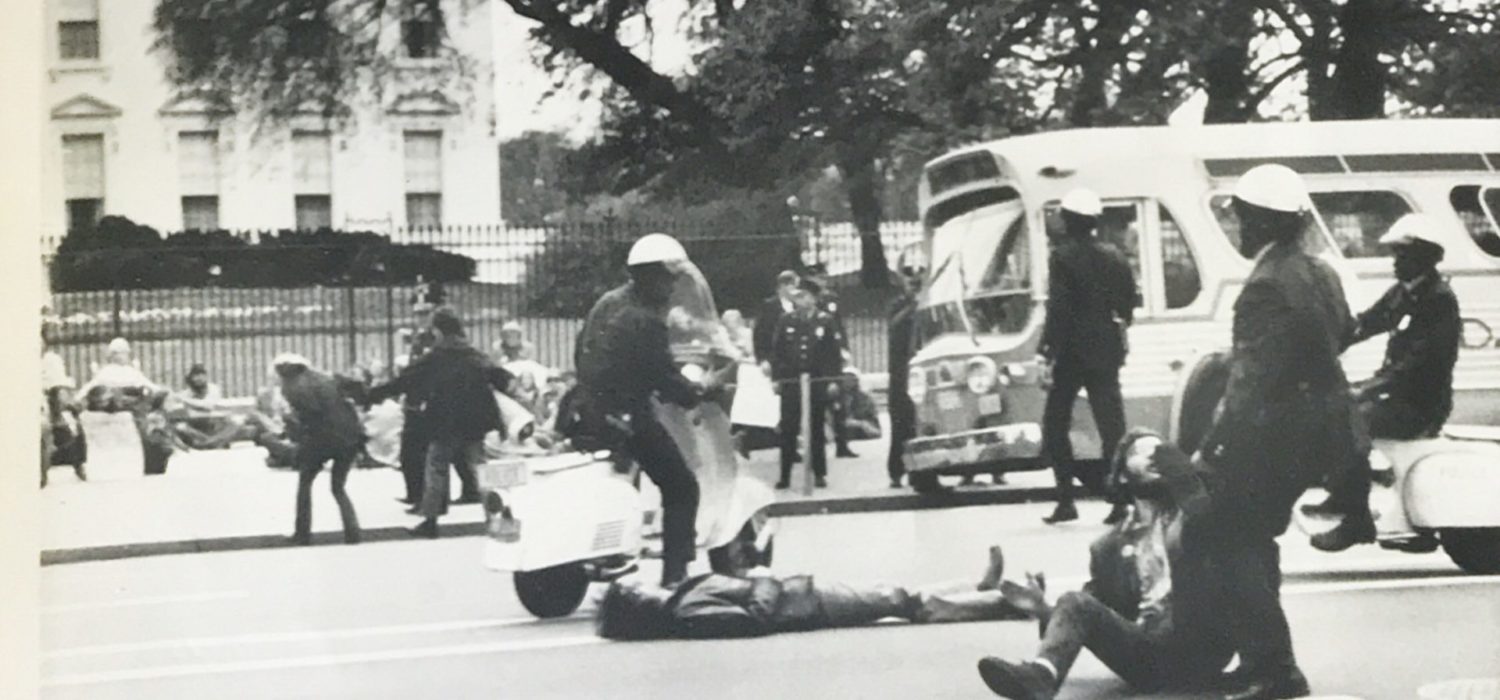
(987, 211)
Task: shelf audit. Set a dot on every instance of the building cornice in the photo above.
(85, 107)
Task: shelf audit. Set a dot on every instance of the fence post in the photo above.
(390, 328)
(353, 325)
(804, 381)
(115, 317)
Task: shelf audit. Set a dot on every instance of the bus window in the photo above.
(1479, 218)
(1179, 269)
(1222, 207)
(981, 273)
(1357, 220)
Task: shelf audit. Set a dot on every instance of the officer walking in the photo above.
(1412, 393)
(806, 341)
(1285, 417)
(1090, 302)
(623, 359)
(901, 344)
(840, 393)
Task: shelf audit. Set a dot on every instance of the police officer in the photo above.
(806, 341)
(414, 433)
(623, 359)
(1412, 393)
(1285, 416)
(840, 393)
(901, 343)
(1090, 301)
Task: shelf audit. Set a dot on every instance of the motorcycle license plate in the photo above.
(949, 401)
(504, 475)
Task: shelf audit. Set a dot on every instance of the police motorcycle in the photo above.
(558, 522)
(1430, 492)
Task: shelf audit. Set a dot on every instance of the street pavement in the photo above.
(423, 619)
(220, 500)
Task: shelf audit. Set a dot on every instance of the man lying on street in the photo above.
(1147, 611)
(718, 606)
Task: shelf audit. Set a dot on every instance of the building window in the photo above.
(1479, 215)
(78, 30)
(83, 178)
(424, 179)
(1357, 220)
(1180, 277)
(312, 174)
(314, 212)
(200, 213)
(198, 179)
(421, 28)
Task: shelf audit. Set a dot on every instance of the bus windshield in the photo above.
(982, 279)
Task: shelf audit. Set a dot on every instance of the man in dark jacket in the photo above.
(840, 393)
(325, 428)
(806, 341)
(901, 345)
(718, 606)
(455, 384)
(1411, 394)
(770, 313)
(624, 359)
(1090, 301)
(1285, 419)
(1148, 610)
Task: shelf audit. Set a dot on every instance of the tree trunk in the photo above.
(1226, 68)
(1316, 55)
(1359, 80)
(857, 167)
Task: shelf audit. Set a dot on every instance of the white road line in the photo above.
(153, 600)
(1388, 584)
(158, 672)
(299, 636)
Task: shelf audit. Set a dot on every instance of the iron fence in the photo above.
(543, 278)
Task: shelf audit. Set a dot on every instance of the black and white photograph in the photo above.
(753, 349)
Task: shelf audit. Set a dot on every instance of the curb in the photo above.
(783, 509)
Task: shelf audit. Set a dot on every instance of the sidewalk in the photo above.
(225, 500)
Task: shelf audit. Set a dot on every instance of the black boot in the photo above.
(1064, 512)
(1291, 684)
(1019, 680)
(1116, 514)
(1355, 529)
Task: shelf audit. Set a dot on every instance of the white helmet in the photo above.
(118, 346)
(1411, 229)
(1272, 186)
(290, 359)
(656, 248)
(1083, 201)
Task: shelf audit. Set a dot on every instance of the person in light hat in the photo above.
(1091, 300)
(1411, 394)
(1286, 417)
(624, 358)
(325, 428)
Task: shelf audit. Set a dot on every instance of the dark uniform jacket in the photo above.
(766, 319)
(901, 344)
(623, 357)
(322, 420)
(1425, 329)
(806, 343)
(455, 383)
(1286, 414)
(828, 303)
(1091, 297)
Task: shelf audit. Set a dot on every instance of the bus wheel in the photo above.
(925, 483)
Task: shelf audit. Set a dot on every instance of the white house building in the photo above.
(124, 141)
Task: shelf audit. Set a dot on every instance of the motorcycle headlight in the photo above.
(981, 374)
(694, 373)
(916, 385)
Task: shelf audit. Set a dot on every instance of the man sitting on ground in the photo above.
(198, 417)
(718, 606)
(1148, 610)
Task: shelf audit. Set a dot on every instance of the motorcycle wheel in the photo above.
(1474, 549)
(554, 591)
(924, 483)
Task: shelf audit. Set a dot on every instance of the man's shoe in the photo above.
(994, 572)
(820, 482)
(1291, 685)
(467, 499)
(1326, 509)
(895, 483)
(407, 500)
(428, 529)
(1025, 680)
(1064, 512)
(845, 453)
(414, 510)
(1355, 529)
(1116, 514)
(783, 485)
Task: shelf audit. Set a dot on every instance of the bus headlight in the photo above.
(981, 375)
(916, 385)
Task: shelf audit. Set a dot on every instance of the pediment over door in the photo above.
(424, 104)
(85, 107)
(196, 106)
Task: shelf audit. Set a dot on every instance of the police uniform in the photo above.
(805, 343)
(414, 433)
(901, 345)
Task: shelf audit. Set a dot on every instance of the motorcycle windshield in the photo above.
(692, 317)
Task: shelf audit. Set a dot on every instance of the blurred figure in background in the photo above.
(62, 434)
(740, 334)
(197, 413)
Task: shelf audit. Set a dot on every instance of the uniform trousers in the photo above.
(791, 427)
(903, 427)
(652, 447)
(1103, 387)
(463, 455)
